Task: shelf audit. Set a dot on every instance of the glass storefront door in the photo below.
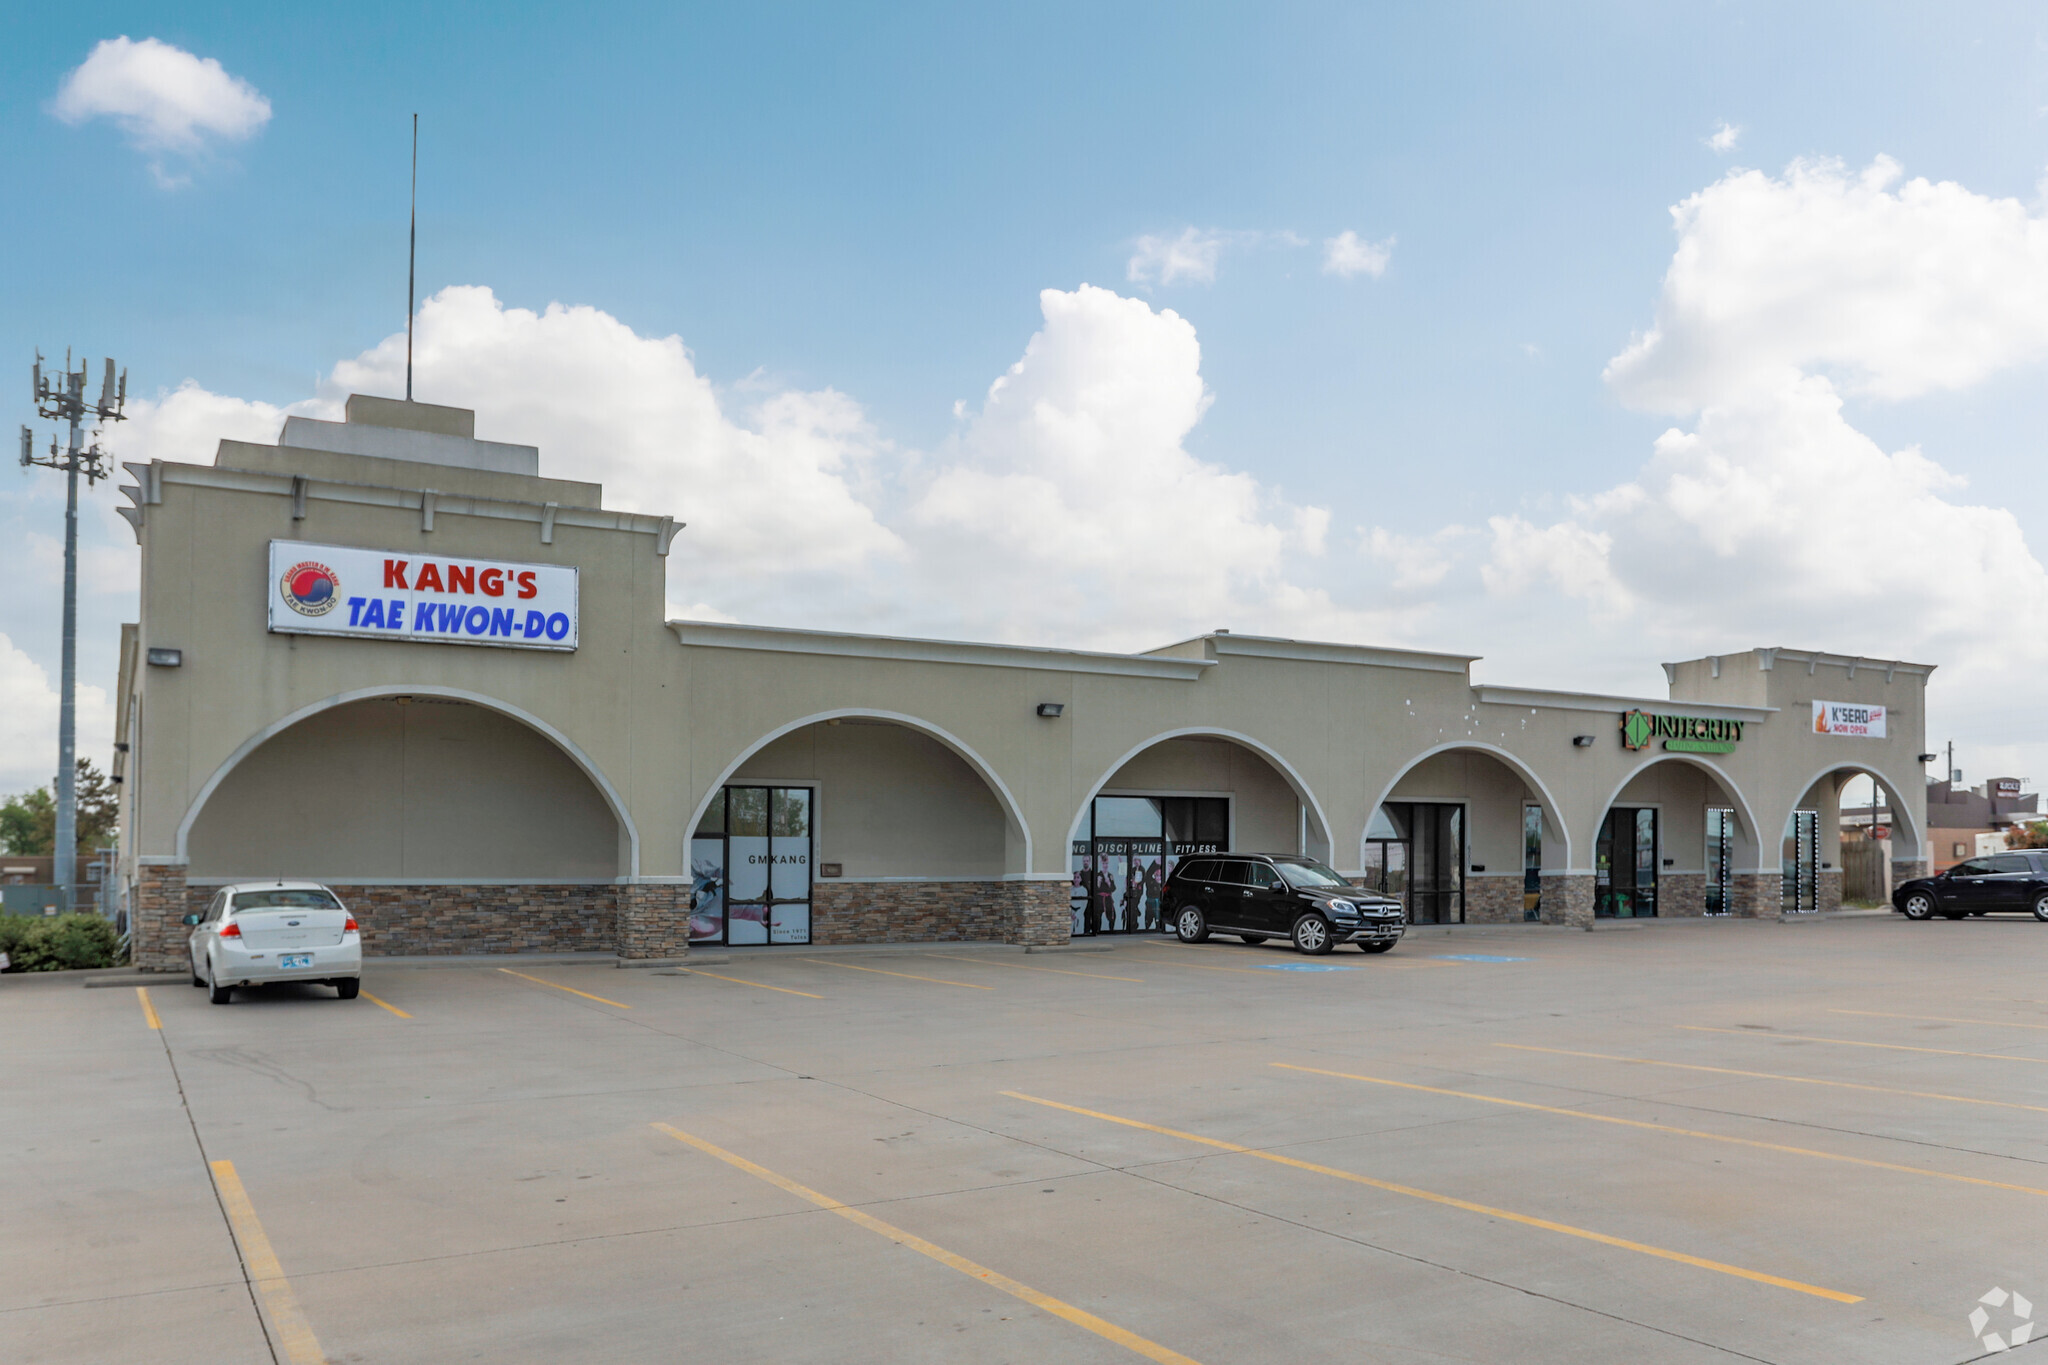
(1801, 861)
(1532, 863)
(1415, 852)
(1625, 864)
(750, 867)
(1125, 849)
(1720, 860)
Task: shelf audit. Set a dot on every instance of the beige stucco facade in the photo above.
(502, 798)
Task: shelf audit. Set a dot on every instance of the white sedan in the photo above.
(257, 932)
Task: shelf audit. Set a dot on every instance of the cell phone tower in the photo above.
(63, 399)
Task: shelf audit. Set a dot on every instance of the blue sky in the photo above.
(867, 201)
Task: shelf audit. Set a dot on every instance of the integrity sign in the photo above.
(1681, 734)
(386, 595)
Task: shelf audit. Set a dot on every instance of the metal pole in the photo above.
(412, 243)
(64, 850)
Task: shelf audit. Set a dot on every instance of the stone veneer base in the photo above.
(1493, 898)
(1027, 912)
(1568, 900)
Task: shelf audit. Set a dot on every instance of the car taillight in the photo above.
(350, 927)
(231, 930)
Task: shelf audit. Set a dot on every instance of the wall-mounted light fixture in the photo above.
(167, 658)
(120, 746)
(1582, 741)
(1929, 758)
(1479, 867)
(1051, 709)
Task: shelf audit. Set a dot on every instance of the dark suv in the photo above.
(1258, 896)
(1978, 886)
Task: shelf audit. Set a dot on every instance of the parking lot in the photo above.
(1703, 1142)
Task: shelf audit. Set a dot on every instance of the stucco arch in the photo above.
(1012, 812)
(1553, 812)
(1318, 821)
(1902, 819)
(561, 741)
(1760, 838)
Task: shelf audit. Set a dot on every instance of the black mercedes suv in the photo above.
(1995, 881)
(1258, 896)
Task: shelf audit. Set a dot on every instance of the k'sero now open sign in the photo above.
(393, 595)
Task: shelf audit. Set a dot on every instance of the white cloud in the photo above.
(1348, 255)
(1170, 260)
(1892, 289)
(163, 97)
(1419, 562)
(1773, 519)
(1724, 137)
(28, 722)
(1066, 508)
(1071, 506)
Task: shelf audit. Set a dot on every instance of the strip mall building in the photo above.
(393, 657)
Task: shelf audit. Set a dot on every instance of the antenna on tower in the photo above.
(412, 245)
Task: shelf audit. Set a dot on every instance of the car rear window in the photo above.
(2010, 862)
(286, 898)
(1234, 872)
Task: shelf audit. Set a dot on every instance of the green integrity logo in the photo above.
(1681, 734)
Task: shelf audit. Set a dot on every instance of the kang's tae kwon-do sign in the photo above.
(384, 595)
(1848, 718)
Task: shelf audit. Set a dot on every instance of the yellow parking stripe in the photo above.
(1857, 1042)
(1020, 967)
(1668, 1128)
(907, 976)
(148, 1009)
(1779, 1076)
(1081, 1318)
(1940, 1019)
(294, 1333)
(383, 1004)
(1720, 1267)
(571, 989)
(693, 971)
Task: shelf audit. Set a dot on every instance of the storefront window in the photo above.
(750, 867)
(1124, 849)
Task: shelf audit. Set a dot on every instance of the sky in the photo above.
(1578, 337)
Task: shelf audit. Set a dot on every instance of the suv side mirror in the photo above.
(191, 919)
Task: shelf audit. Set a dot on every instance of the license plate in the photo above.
(295, 960)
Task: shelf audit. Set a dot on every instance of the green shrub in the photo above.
(56, 943)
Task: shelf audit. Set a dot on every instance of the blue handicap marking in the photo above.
(1476, 957)
(1303, 967)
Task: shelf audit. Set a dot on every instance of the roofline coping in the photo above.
(1324, 651)
(844, 644)
(1493, 694)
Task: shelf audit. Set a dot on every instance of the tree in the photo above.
(28, 823)
(2024, 834)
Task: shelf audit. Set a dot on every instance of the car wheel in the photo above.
(2041, 907)
(348, 987)
(1919, 905)
(1375, 947)
(216, 993)
(1312, 935)
(1190, 927)
(1254, 939)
